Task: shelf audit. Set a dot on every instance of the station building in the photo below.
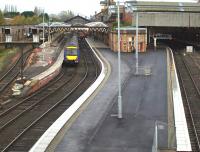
(108, 15)
(128, 39)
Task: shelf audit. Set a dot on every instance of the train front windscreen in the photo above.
(71, 51)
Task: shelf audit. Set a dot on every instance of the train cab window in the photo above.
(71, 51)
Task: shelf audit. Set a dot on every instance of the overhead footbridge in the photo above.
(64, 27)
(165, 14)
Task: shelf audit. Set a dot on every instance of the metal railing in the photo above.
(164, 138)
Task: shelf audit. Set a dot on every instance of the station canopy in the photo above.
(53, 24)
(96, 24)
(42, 24)
(61, 24)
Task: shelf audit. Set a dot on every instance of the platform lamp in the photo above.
(43, 28)
(22, 63)
(49, 23)
(136, 43)
(119, 102)
(119, 115)
(43, 37)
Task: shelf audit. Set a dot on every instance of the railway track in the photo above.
(195, 57)
(7, 79)
(10, 76)
(21, 126)
(188, 74)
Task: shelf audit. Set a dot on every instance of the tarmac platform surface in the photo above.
(144, 102)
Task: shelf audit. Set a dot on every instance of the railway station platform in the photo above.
(144, 100)
(42, 65)
(147, 116)
(41, 61)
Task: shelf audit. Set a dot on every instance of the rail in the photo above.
(14, 71)
(191, 112)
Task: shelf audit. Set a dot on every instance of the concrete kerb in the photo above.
(171, 121)
(47, 141)
(182, 135)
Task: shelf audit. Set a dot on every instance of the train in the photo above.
(71, 51)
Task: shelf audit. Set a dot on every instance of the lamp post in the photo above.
(136, 39)
(22, 64)
(119, 65)
(49, 38)
(43, 28)
(43, 50)
(136, 51)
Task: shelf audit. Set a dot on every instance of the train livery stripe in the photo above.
(71, 57)
(71, 47)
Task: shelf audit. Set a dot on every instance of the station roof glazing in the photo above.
(163, 6)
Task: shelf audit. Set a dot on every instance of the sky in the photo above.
(79, 7)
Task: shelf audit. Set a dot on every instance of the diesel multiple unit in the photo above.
(71, 51)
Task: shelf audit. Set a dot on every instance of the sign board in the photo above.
(35, 38)
(8, 38)
(189, 49)
(155, 41)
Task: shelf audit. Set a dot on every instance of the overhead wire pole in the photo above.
(119, 65)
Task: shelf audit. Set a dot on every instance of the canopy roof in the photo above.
(96, 24)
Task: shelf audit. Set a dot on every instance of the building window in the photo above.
(101, 18)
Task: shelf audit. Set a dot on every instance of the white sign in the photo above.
(8, 38)
(189, 49)
(35, 38)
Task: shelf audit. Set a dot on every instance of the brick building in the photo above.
(128, 39)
